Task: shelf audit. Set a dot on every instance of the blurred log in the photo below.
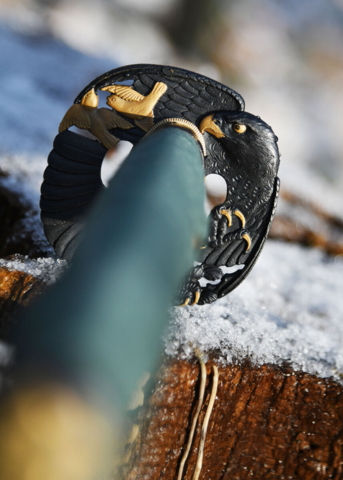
(17, 235)
(106, 316)
(292, 225)
(296, 200)
(285, 229)
(268, 422)
(11, 212)
(17, 289)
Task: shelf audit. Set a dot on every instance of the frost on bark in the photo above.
(267, 423)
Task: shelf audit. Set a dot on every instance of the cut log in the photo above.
(301, 221)
(267, 423)
(17, 289)
(286, 229)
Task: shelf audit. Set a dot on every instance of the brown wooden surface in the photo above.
(267, 423)
(285, 229)
(326, 232)
(17, 290)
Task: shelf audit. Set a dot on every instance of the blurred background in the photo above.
(284, 58)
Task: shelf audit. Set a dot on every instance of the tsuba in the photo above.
(236, 145)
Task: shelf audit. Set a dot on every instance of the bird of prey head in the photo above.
(240, 147)
(247, 140)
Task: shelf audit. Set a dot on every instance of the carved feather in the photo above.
(78, 115)
(126, 93)
(112, 119)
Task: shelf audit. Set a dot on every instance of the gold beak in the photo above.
(207, 125)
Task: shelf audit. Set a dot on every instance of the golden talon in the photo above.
(240, 215)
(197, 297)
(227, 214)
(247, 238)
(186, 302)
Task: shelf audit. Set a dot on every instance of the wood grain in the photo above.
(17, 290)
(267, 423)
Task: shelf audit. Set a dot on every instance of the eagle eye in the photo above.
(239, 128)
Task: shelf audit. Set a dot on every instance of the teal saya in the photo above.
(99, 327)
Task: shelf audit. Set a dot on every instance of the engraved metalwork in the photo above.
(86, 115)
(236, 145)
(134, 105)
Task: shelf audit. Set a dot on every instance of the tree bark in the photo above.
(267, 423)
(17, 290)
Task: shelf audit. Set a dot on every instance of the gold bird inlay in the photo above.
(86, 115)
(135, 105)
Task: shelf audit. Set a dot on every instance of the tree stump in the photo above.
(17, 289)
(267, 423)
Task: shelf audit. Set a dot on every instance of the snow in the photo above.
(288, 57)
(40, 78)
(46, 269)
(289, 309)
